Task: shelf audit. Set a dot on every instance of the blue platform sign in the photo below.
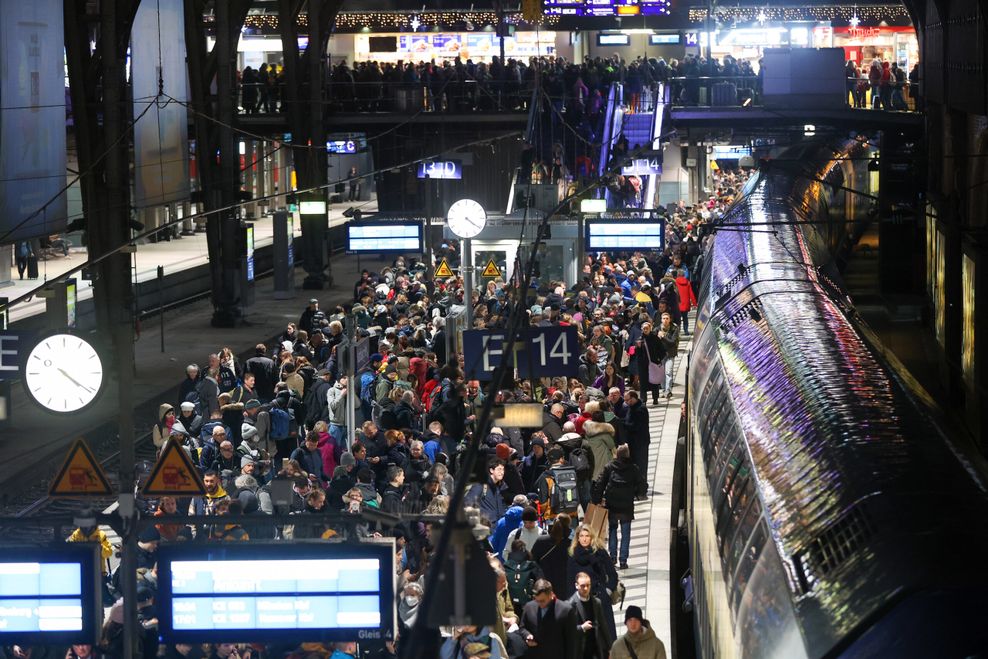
(540, 352)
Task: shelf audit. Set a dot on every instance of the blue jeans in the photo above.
(625, 539)
(667, 365)
(338, 433)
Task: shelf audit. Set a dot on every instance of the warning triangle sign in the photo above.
(80, 475)
(174, 474)
(443, 269)
(491, 270)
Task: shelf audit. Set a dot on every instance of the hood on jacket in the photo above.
(164, 409)
(591, 428)
(512, 518)
(682, 281)
(639, 640)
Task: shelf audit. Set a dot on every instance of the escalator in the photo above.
(639, 123)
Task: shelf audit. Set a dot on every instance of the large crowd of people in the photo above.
(281, 414)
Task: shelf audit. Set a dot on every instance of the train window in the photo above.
(735, 503)
(749, 559)
(766, 624)
(748, 517)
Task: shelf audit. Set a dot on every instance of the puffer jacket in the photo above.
(600, 440)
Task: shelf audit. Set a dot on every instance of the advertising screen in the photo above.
(49, 596)
(613, 236)
(375, 237)
(302, 592)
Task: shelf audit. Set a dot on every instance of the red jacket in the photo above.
(687, 299)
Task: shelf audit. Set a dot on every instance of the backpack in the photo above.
(562, 490)
(194, 398)
(521, 577)
(280, 422)
(367, 389)
(619, 492)
(582, 461)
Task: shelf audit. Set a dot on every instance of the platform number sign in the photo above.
(538, 352)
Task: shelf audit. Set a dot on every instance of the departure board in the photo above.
(610, 236)
(604, 8)
(375, 237)
(49, 596)
(269, 596)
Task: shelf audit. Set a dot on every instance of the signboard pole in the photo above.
(466, 270)
(351, 376)
(161, 304)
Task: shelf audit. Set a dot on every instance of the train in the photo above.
(827, 511)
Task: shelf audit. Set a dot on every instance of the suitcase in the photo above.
(32, 267)
(725, 93)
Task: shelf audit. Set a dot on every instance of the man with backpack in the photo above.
(521, 572)
(581, 459)
(368, 383)
(284, 429)
(528, 532)
(557, 488)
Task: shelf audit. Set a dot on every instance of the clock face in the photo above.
(63, 373)
(466, 218)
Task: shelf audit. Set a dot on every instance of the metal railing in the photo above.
(746, 91)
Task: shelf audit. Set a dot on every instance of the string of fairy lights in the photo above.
(379, 20)
(871, 14)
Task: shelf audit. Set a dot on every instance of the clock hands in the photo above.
(74, 381)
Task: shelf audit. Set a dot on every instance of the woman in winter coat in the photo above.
(649, 356)
(616, 489)
(587, 554)
(609, 378)
(163, 429)
(599, 438)
(549, 551)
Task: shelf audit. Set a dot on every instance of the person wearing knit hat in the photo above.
(249, 433)
(347, 461)
(640, 641)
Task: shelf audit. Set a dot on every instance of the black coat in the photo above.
(264, 375)
(635, 424)
(600, 630)
(555, 634)
(600, 567)
(628, 483)
(553, 559)
(453, 415)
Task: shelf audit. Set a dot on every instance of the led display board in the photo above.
(306, 592)
(663, 39)
(441, 169)
(613, 39)
(617, 235)
(346, 144)
(368, 237)
(607, 7)
(50, 596)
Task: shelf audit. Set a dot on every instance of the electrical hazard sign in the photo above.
(443, 269)
(80, 476)
(174, 474)
(491, 270)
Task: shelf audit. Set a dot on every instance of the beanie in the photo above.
(634, 612)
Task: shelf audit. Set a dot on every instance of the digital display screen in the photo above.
(643, 167)
(384, 237)
(605, 236)
(306, 592)
(441, 169)
(607, 7)
(346, 144)
(50, 597)
(663, 39)
(613, 40)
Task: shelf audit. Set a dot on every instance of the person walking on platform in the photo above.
(669, 336)
(636, 430)
(619, 484)
(640, 641)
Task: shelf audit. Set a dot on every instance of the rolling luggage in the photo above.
(32, 267)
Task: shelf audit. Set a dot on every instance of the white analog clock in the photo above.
(63, 373)
(466, 218)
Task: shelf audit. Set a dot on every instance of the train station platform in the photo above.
(175, 255)
(648, 579)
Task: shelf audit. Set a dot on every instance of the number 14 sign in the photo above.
(539, 352)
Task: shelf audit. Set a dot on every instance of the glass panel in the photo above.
(939, 297)
(480, 260)
(766, 624)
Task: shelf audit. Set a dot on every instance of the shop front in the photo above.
(480, 46)
(890, 44)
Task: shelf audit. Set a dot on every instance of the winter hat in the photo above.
(248, 432)
(376, 357)
(252, 404)
(187, 406)
(536, 310)
(634, 612)
(347, 460)
(247, 460)
(538, 441)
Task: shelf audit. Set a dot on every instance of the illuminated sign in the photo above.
(643, 167)
(603, 8)
(71, 295)
(250, 252)
(613, 236)
(345, 143)
(663, 39)
(50, 596)
(692, 38)
(376, 237)
(304, 592)
(441, 169)
(613, 40)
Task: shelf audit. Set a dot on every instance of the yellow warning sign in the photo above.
(443, 269)
(80, 476)
(174, 474)
(491, 270)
